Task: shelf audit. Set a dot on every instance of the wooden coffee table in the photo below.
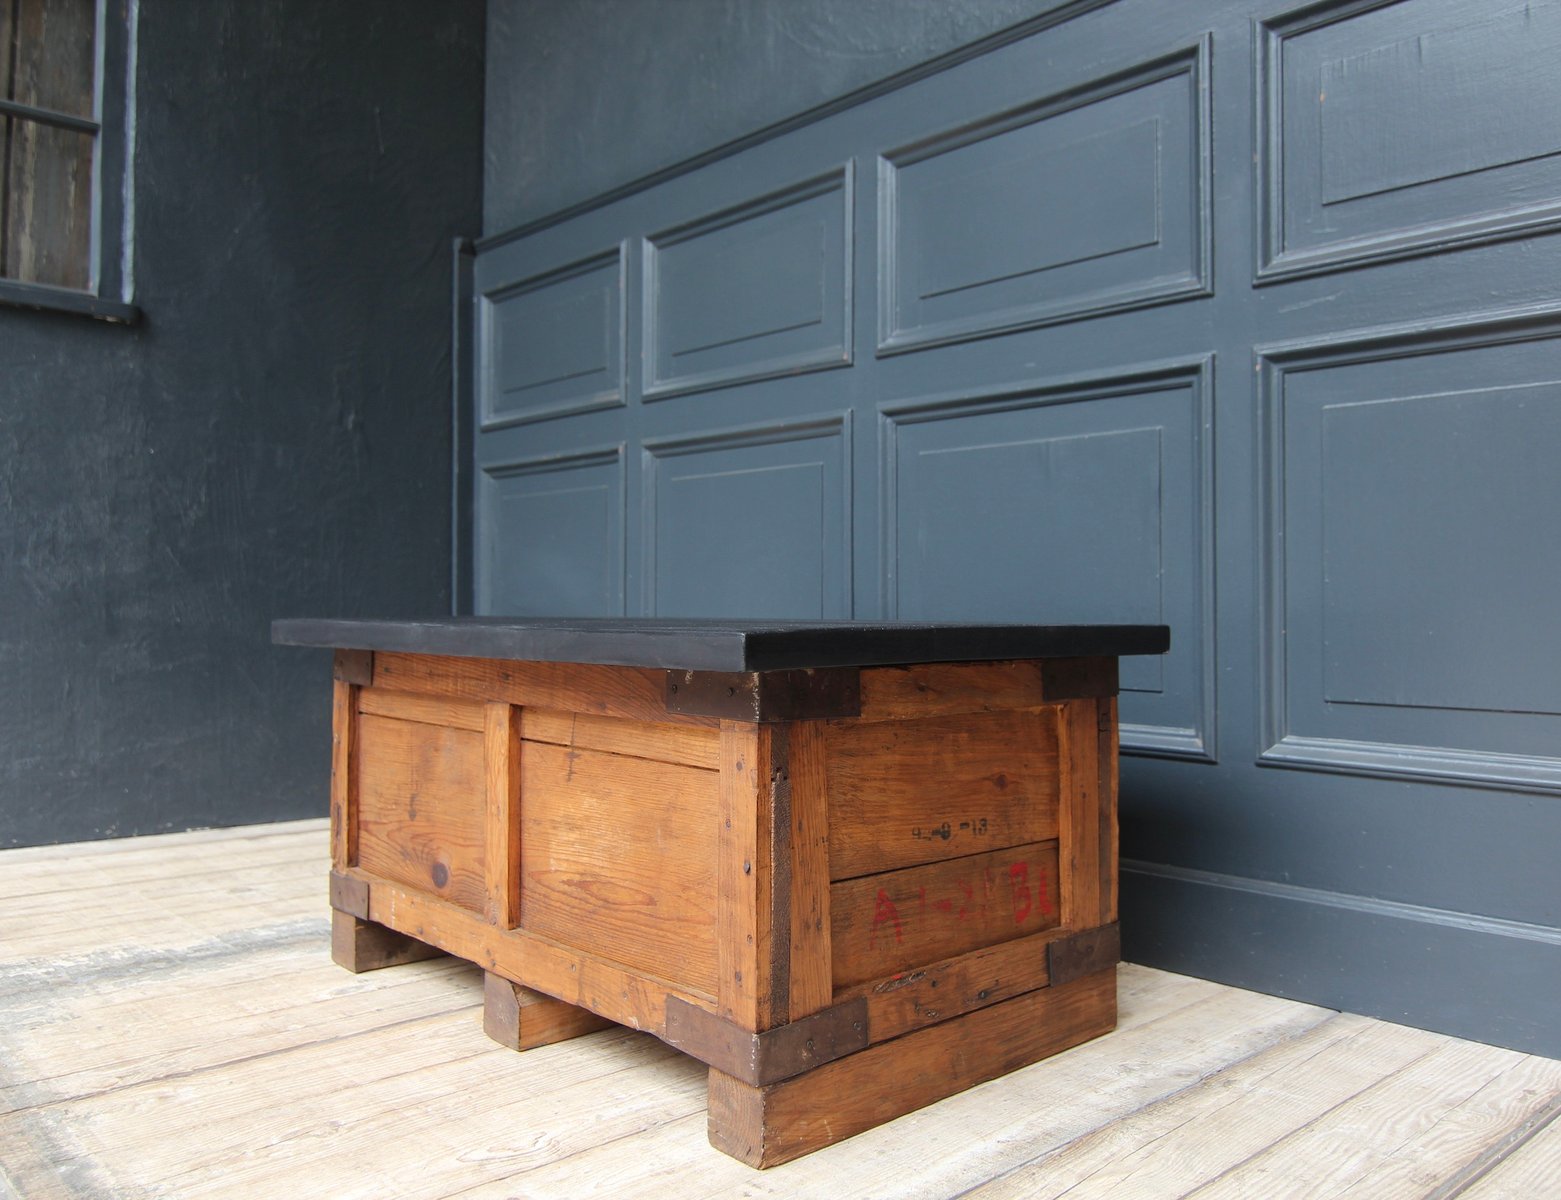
(853, 867)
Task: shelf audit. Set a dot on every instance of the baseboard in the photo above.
(1474, 977)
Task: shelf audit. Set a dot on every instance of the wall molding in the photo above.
(1192, 61)
(800, 429)
(489, 299)
(1356, 953)
(1281, 747)
(1197, 743)
(1054, 13)
(463, 356)
(1274, 263)
(613, 454)
(659, 384)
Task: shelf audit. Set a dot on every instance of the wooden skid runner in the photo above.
(765, 1126)
(418, 927)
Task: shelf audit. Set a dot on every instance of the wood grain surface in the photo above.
(920, 790)
(883, 924)
(618, 857)
(420, 807)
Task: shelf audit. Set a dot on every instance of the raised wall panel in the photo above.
(1413, 556)
(1403, 129)
(552, 532)
(751, 522)
(1080, 502)
(759, 290)
(1080, 204)
(553, 344)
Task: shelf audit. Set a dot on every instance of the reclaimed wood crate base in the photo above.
(849, 890)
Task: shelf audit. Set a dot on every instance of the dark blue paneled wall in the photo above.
(586, 95)
(272, 439)
(1237, 315)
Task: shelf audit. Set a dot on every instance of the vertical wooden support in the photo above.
(772, 917)
(523, 1019)
(1106, 711)
(744, 893)
(1080, 818)
(811, 972)
(501, 845)
(344, 773)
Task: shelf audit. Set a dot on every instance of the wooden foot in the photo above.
(519, 1018)
(362, 945)
(765, 1126)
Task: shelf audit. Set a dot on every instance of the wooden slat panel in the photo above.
(946, 989)
(811, 971)
(637, 693)
(1106, 710)
(942, 689)
(1081, 819)
(501, 841)
(917, 791)
(881, 924)
(770, 1125)
(617, 856)
(344, 734)
(633, 998)
(431, 710)
(421, 807)
(688, 744)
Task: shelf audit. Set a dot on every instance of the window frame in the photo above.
(109, 296)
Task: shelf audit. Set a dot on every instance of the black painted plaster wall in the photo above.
(272, 440)
(585, 95)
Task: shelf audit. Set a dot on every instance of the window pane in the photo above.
(50, 43)
(46, 235)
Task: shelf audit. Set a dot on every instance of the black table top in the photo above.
(711, 645)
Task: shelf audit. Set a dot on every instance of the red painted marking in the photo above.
(1019, 883)
(943, 905)
(970, 892)
(1043, 887)
(884, 913)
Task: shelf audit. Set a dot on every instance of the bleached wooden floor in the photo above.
(171, 1025)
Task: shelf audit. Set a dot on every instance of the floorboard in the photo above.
(171, 1028)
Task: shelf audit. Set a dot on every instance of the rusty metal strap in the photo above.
(350, 895)
(766, 696)
(774, 1055)
(354, 666)
(1081, 954)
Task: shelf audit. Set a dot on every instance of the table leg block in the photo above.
(519, 1018)
(361, 945)
(765, 1126)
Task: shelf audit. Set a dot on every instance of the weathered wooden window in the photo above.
(48, 141)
